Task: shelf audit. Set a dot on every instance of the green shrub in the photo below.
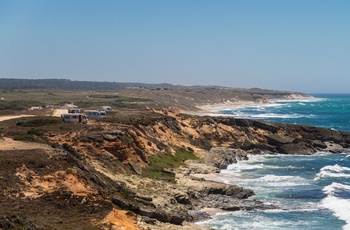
(18, 104)
(126, 140)
(38, 132)
(37, 122)
(27, 137)
(159, 162)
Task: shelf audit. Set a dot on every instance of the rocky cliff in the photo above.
(147, 166)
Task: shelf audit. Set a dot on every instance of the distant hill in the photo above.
(11, 83)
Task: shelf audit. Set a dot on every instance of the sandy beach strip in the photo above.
(228, 105)
(209, 109)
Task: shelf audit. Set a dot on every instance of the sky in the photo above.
(297, 45)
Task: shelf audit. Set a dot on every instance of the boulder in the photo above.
(298, 148)
(279, 140)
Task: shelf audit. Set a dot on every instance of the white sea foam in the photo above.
(268, 181)
(335, 187)
(333, 171)
(248, 221)
(346, 158)
(262, 106)
(236, 168)
(299, 100)
(261, 114)
(239, 167)
(276, 115)
(291, 210)
(340, 207)
(281, 181)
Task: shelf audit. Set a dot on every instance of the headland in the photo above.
(144, 165)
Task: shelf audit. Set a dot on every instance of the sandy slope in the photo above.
(4, 118)
(9, 144)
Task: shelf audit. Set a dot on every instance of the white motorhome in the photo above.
(103, 114)
(106, 108)
(92, 114)
(74, 118)
(73, 110)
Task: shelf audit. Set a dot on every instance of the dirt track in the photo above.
(4, 118)
(9, 144)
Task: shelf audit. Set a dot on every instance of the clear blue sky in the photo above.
(299, 45)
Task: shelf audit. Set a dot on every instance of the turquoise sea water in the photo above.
(311, 192)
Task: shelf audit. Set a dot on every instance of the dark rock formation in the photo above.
(15, 222)
(223, 157)
(149, 210)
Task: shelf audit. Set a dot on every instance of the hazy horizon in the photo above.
(281, 45)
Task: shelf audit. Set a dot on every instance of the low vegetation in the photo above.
(18, 104)
(160, 164)
(38, 122)
(16, 100)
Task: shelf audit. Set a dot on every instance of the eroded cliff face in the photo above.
(105, 165)
(121, 153)
(131, 144)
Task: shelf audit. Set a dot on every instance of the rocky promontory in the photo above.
(145, 169)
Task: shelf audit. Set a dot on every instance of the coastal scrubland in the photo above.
(141, 167)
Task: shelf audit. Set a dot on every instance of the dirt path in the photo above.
(9, 144)
(59, 112)
(4, 118)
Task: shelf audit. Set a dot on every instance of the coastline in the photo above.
(212, 109)
(229, 104)
(219, 136)
(330, 148)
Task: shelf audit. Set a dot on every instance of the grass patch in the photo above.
(160, 162)
(38, 132)
(126, 140)
(18, 104)
(37, 122)
(27, 137)
(119, 98)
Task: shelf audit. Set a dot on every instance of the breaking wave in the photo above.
(333, 171)
(340, 206)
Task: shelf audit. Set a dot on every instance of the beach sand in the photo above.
(228, 105)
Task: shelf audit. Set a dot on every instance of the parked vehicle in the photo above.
(91, 114)
(74, 118)
(73, 110)
(21, 122)
(106, 108)
(103, 114)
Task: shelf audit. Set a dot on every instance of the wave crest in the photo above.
(333, 171)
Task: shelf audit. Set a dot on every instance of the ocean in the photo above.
(311, 192)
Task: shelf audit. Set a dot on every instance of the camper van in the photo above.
(74, 118)
(103, 114)
(106, 108)
(73, 110)
(92, 114)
